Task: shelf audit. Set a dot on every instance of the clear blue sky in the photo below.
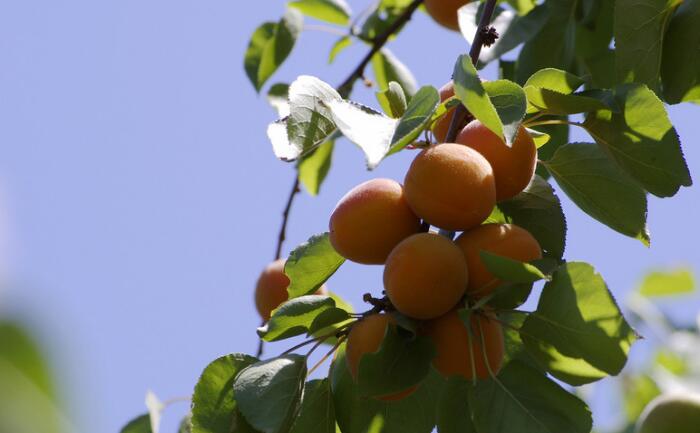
(141, 196)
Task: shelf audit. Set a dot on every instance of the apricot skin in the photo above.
(505, 240)
(513, 167)
(425, 276)
(370, 220)
(444, 12)
(451, 186)
(455, 346)
(271, 289)
(366, 336)
(442, 126)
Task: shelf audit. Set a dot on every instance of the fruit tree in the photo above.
(446, 344)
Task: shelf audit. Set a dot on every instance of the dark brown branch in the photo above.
(346, 86)
(483, 34)
(285, 218)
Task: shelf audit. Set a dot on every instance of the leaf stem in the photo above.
(326, 29)
(460, 113)
(552, 122)
(329, 353)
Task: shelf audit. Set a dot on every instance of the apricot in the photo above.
(465, 352)
(442, 126)
(444, 12)
(678, 412)
(370, 220)
(451, 186)
(425, 276)
(505, 240)
(271, 289)
(366, 336)
(513, 166)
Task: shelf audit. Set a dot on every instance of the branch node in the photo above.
(489, 35)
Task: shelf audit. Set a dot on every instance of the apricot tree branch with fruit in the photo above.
(447, 344)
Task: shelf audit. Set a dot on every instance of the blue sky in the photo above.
(141, 198)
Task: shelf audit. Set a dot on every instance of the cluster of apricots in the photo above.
(454, 187)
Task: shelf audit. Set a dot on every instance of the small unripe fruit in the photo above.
(425, 276)
(370, 220)
(271, 289)
(464, 353)
(442, 126)
(451, 186)
(513, 166)
(505, 240)
(445, 11)
(679, 413)
(366, 336)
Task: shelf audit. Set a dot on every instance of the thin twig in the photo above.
(285, 218)
(329, 353)
(346, 86)
(460, 113)
(326, 29)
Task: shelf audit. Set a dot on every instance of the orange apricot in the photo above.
(425, 276)
(444, 12)
(366, 336)
(271, 289)
(505, 240)
(451, 186)
(513, 166)
(467, 352)
(370, 220)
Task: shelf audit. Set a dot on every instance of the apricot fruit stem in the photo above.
(339, 332)
(335, 347)
(460, 112)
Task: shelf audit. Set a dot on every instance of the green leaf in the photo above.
(214, 408)
(672, 362)
(511, 270)
(554, 46)
(555, 103)
(310, 265)
(185, 425)
(314, 168)
(388, 68)
(659, 283)
(339, 46)
(512, 29)
(317, 414)
(578, 332)
(471, 92)
(20, 352)
(453, 413)
(510, 102)
(269, 392)
(555, 79)
(278, 98)
(331, 11)
(638, 391)
(370, 130)
(310, 121)
(295, 317)
(140, 424)
(515, 348)
(401, 362)
(416, 119)
(393, 100)
(270, 46)
(642, 140)
(593, 181)
(357, 414)
(680, 67)
(522, 400)
(639, 32)
(538, 210)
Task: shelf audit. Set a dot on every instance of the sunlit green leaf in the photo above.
(393, 100)
(314, 167)
(317, 414)
(387, 68)
(667, 283)
(339, 46)
(416, 119)
(680, 70)
(331, 11)
(295, 317)
(471, 92)
(310, 264)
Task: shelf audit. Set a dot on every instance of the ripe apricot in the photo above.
(445, 11)
(425, 276)
(442, 126)
(505, 240)
(451, 186)
(370, 220)
(271, 289)
(464, 353)
(513, 166)
(366, 336)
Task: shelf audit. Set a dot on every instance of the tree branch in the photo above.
(346, 86)
(460, 113)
